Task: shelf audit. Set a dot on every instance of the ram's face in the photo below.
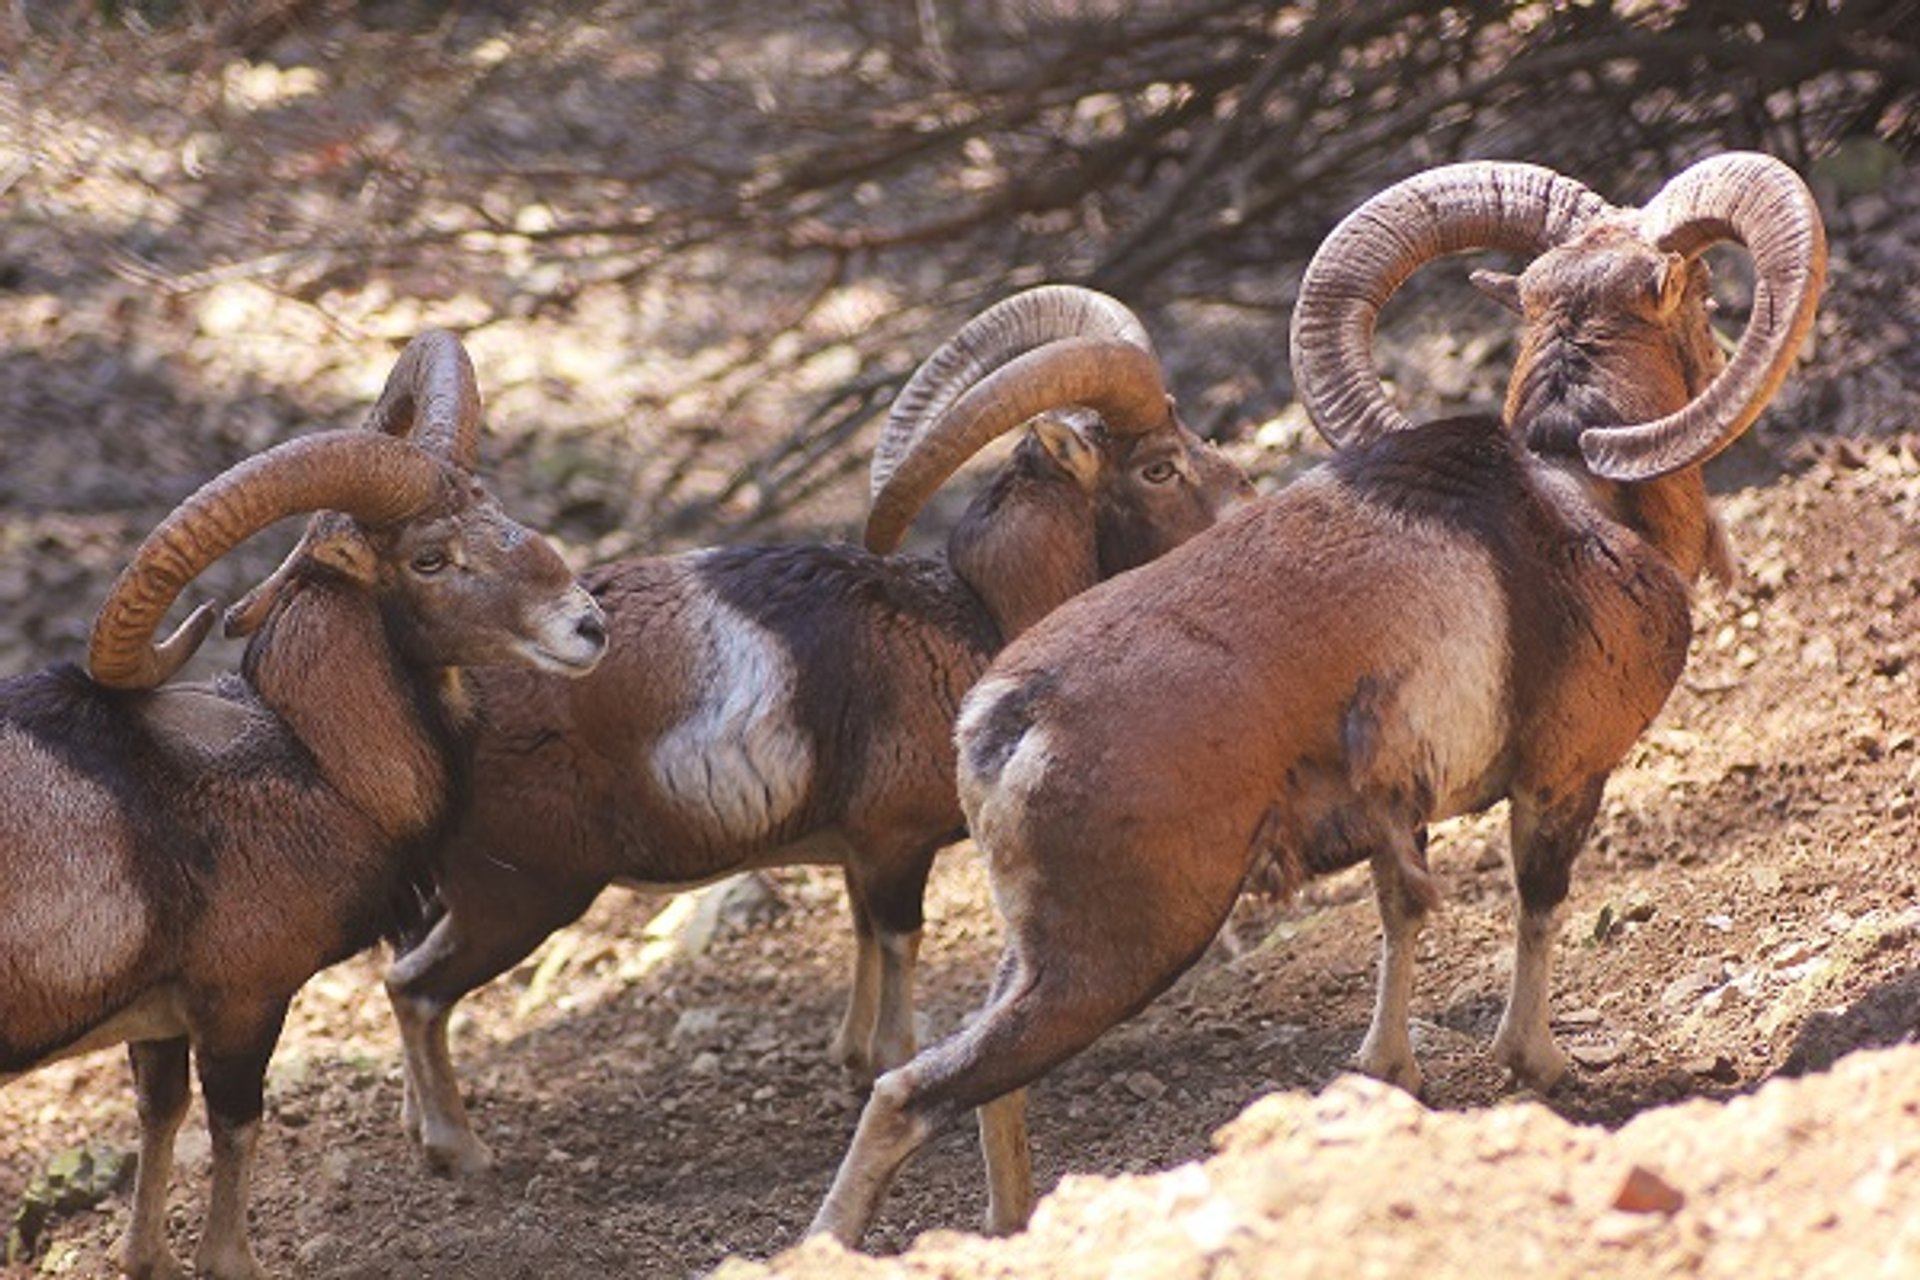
(470, 586)
(1159, 489)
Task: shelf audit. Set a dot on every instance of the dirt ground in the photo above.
(1748, 908)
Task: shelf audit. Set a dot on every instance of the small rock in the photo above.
(1598, 1055)
(696, 1026)
(1688, 988)
(320, 1250)
(1820, 653)
(1644, 1191)
(1144, 1085)
(1717, 1067)
(705, 1063)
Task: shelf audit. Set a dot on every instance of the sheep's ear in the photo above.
(1072, 445)
(1670, 285)
(344, 550)
(1503, 287)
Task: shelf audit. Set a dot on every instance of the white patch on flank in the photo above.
(73, 917)
(738, 760)
(1455, 703)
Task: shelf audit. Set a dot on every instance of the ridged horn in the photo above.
(1047, 347)
(373, 478)
(1376, 248)
(432, 398)
(1762, 204)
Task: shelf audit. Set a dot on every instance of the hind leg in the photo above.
(851, 1043)
(1545, 836)
(160, 1086)
(1098, 958)
(1387, 1052)
(481, 936)
(886, 892)
(1016, 1039)
(232, 1059)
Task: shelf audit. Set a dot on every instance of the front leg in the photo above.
(160, 1087)
(233, 1073)
(1546, 832)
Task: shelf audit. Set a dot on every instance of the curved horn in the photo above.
(432, 398)
(1371, 253)
(373, 478)
(1761, 203)
(1038, 350)
(434, 372)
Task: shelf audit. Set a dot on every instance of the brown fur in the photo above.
(245, 834)
(1444, 618)
(847, 757)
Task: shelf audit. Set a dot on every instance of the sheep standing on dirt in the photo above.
(766, 706)
(1441, 617)
(177, 861)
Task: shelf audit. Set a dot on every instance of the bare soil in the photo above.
(1749, 907)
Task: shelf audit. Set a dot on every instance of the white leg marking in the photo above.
(882, 1143)
(431, 1109)
(1524, 1043)
(853, 1044)
(893, 1039)
(1009, 1158)
(143, 1250)
(1387, 1052)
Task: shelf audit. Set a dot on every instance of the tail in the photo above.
(994, 718)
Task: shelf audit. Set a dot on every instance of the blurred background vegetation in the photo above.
(695, 246)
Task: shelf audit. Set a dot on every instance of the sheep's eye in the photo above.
(1159, 472)
(428, 563)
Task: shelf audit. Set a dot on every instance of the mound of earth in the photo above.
(1804, 1178)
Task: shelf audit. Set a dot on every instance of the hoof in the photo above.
(1397, 1069)
(857, 1065)
(1534, 1063)
(462, 1159)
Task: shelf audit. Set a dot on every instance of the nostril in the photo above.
(592, 629)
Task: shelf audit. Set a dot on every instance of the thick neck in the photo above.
(1026, 546)
(377, 732)
(1633, 378)
(1675, 516)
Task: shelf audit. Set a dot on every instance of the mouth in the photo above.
(576, 663)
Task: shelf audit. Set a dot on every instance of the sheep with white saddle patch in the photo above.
(766, 706)
(1441, 617)
(177, 860)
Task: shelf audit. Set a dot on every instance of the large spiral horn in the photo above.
(1041, 349)
(1373, 251)
(372, 477)
(432, 398)
(1762, 204)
